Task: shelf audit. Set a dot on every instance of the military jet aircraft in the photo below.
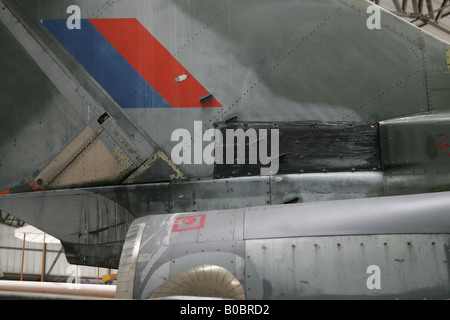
(252, 149)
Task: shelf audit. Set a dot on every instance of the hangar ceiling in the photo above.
(430, 15)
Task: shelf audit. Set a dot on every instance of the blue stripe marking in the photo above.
(105, 64)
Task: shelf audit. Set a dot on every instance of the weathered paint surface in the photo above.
(411, 266)
(364, 248)
(314, 62)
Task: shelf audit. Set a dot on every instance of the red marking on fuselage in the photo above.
(189, 223)
(153, 62)
(35, 187)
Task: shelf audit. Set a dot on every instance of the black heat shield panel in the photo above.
(309, 147)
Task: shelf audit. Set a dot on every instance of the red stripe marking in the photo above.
(4, 192)
(153, 62)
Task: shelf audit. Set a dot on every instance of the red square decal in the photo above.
(189, 223)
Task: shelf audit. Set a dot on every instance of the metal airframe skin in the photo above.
(309, 251)
(362, 114)
(315, 61)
